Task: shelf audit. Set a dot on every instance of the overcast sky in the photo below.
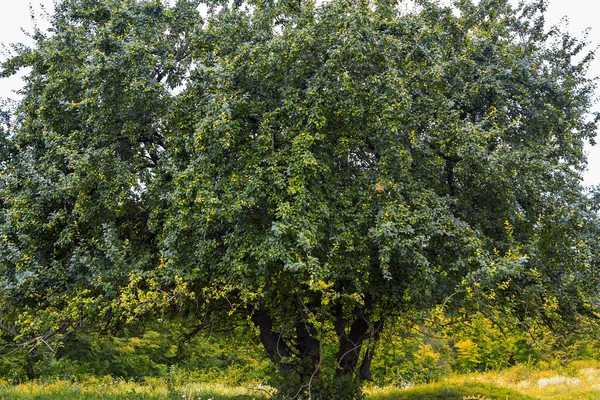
(582, 14)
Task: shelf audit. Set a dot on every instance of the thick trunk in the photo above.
(350, 343)
(308, 346)
(274, 346)
(298, 358)
(364, 372)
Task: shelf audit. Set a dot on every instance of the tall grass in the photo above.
(578, 380)
(575, 380)
(109, 388)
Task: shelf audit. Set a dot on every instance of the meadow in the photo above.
(468, 361)
(577, 380)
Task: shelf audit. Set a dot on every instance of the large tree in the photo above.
(313, 169)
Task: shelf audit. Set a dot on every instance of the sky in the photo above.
(581, 14)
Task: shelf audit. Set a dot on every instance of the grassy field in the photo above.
(450, 391)
(109, 388)
(579, 380)
(574, 381)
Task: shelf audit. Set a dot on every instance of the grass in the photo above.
(579, 380)
(451, 391)
(574, 381)
(112, 389)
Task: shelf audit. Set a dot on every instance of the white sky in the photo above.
(582, 14)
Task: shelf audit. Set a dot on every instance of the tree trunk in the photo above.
(349, 343)
(364, 372)
(308, 346)
(275, 347)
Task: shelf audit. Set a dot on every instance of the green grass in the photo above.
(113, 389)
(576, 381)
(71, 391)
(579, 380)
(450, 391)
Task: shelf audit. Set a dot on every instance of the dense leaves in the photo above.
(313, 169)
(89, 136)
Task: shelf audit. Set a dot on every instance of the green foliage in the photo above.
(411, 357)
(125, 357)
(479, 345)
(440, 346)
(155, 352)
(346, 387)
(316, 171)
(13, 367)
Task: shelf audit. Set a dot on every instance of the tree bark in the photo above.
(351, 343)
(275, 347)
(308, 346)
(364, 372)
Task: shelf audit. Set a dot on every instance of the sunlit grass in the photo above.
(578, 380)
(109, 388)
(449, 391)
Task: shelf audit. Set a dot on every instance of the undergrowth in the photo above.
(579, 380)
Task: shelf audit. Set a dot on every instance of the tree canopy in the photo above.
(314, 169)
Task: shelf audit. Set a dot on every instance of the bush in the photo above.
(137, 354)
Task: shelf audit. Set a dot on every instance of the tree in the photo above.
(315, 170)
